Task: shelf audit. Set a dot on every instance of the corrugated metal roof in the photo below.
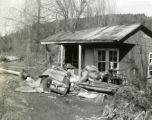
(100, 34)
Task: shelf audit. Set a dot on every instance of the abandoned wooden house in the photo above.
(125, 48)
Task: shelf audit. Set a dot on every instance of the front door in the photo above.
(108, 59)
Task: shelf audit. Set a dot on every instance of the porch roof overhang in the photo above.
(96, 35)
(78, 41)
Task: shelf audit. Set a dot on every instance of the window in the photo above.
(102, 60)
(150, 64)
(108, 59)
(113, 59)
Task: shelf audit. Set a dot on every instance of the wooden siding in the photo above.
(91, 51)
(89, 56)
(134, 63)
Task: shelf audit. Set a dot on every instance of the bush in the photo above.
(133, 96)
(129, 102)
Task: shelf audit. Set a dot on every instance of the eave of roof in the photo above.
(78, 41)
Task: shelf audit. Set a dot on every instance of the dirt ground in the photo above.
(41, 106)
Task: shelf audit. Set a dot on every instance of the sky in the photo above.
(122, 6)
(6, 7)
(134, 6)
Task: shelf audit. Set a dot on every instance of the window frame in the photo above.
(101, 61)
(149, 64)
(107, 51)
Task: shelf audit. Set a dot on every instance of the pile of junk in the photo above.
(65, 81)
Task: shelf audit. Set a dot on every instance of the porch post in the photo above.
(80, 60)
(47, 55)
(61, 52)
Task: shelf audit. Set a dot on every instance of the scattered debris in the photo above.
(148, 115)
(52, 97)
(9, 58)
(31, 86)
(68, 66)
(59, 80)
(100, 87)
(140, 116)
(25, 89)
(63, 81)
(89, 95)
(10, 72)
(24, 74)
(90, 73)
(60, 87)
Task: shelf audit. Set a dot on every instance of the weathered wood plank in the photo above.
(10, 72)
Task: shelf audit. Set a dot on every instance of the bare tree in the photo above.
(26, 22)
(70, 11)
(99, 9)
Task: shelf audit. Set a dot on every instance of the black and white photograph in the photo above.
(75, 59)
